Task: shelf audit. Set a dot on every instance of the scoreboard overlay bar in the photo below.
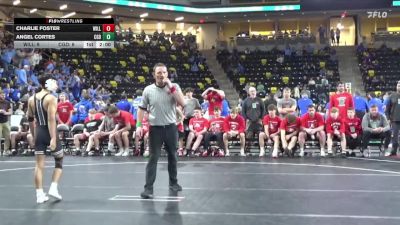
(64, 33)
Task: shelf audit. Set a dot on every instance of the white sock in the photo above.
(39, 192)
(262, 149)
(302, 149)
(110, 146)
(53, 185)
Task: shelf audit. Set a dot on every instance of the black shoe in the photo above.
(353, 154)
(348, 154)
(147, 194)
(175, 187)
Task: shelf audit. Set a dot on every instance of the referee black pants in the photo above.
(395, 138)
(159, 135)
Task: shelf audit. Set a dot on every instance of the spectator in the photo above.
(22, 76)
(234, 127)
(341, 100)
(374, 100)
(332, 36)
(290, 127)
(5, 113)
(124, 128)
(225, 108)
(91, 125)
(375, 125)
(393, 114)
(360, 105)
(271, 131)
(286, 105)
(253, 112)
(312, 126)
(335, 130)
(215, 98)
(353, 131)
(20, 110)
(337, 36)
(123, 104)
(215, 133)
(198, 126)
(23, 134)
(64, 110)
(136, 103)
(304, 103)
(190, 104)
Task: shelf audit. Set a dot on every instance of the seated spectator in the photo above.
(123, 104)
(353, 131)
(106, 127)
(312, 126)
(91, 125)
(79, 116)
(375, 126)
(198, 126)
(271, 131)
(23, 134)
(290, 127)
(374, 100)
(335, 130)
(215, 133)
(124, 128)
(180, 120)
(20, 110)
(144, 137)
(234, 126)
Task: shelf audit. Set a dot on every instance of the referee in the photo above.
(160, 100)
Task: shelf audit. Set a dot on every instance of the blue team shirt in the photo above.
(378, 102)
(360, 104)
(303, 104)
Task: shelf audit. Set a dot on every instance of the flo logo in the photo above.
(377, 14)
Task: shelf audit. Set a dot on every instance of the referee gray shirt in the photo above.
(160, 103)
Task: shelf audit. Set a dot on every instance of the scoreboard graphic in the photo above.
(64, 33)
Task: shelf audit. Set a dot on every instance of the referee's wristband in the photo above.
(138, 124)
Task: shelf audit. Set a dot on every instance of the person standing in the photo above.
(286, 105)
(5, 113)
(253, 111)
(360, 105)
(42, 110)
(332, 36)
(188, 110)
(341, 100)
(337, 36)
(393, 114)
(160, 99)
(214, 98)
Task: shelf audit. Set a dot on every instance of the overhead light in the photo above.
(33, 10)
(69, 15)
(229, 21)
(144, 15)
(179, 18)
(63, 7)
(16, 2)
(142, 19)
(248, 21)
(106, 11)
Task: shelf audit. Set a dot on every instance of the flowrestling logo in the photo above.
(377, 14)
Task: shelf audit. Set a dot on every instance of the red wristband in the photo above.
(172, 90)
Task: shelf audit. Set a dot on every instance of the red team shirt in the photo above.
(217, 125)
(214, 100)
(290, 128)
(342, 101)
(198, 123)
(334, 124)
(124, 118)
(272, 123)
(308, 122)
(352, 126)
(237, 124)
(145, 125)
(64, 111)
